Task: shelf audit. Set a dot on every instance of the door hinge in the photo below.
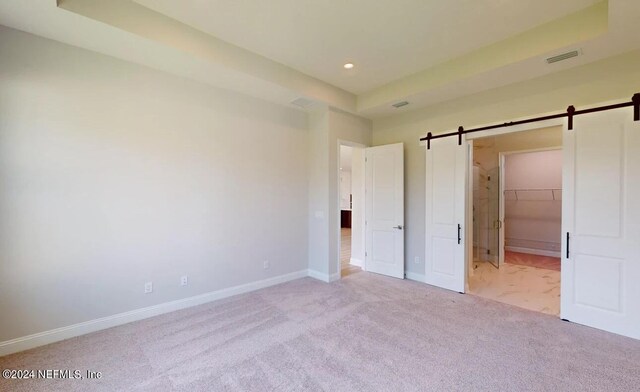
(488, 251)
(366, 254)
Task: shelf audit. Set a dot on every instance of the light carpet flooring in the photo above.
(365, 332)
(527, 287)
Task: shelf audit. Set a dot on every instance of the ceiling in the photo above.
(421, 51)
(386, 40)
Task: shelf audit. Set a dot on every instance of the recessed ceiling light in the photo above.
(348, 65)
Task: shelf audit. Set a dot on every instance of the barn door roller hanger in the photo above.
(570, 113)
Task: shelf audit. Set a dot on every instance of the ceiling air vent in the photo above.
(302, 102)
(564, 56)
(400, 104)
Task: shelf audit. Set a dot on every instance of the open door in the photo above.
(384, 216)
(446, 177)
(601, 222)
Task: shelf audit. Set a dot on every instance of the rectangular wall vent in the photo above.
(302, 102)
(400, 104)
(564, 56)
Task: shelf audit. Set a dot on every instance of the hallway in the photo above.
(345, 253)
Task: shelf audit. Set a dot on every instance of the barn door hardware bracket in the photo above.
(570, 113)
(571, 110)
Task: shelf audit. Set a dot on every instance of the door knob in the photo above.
(399, 227)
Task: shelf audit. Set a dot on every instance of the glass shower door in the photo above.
(494, 223)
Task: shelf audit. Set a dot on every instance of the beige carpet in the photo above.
(363, 333)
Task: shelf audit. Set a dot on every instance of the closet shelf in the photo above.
(540, 194)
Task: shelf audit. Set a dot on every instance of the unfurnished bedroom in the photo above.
(299, 195)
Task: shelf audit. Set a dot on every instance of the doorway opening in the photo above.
(517, 218)
(351, 205)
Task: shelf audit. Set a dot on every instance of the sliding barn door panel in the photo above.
(601, 267)
(445, 214)
(599, 150)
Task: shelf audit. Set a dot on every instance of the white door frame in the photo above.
(468, 218)
(501, 212)
(470, 137)
(348, 143)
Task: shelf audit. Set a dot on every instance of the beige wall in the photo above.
(113, 174)
(533, 219)
(328, 127)
(318, 207)
(616, 78)
(487, 149)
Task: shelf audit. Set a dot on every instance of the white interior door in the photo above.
(446, 176)
(384, 216)
(601, 217)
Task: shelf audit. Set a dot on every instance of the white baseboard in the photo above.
(414, 276)
(539, 252)
(58, 334)
(356, 262)
(318, 275)
(323, 277)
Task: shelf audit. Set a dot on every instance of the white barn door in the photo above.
(384, 205)
(601, 222)
(446, 174)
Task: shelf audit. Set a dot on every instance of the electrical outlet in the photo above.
(266, 264)
(148, 287)
(184, 280)
(416, 260)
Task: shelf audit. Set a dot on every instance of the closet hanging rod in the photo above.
(525, 190)
(532, 189)
(570, 113)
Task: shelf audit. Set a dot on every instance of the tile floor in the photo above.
(546, 262)
(523, 286)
